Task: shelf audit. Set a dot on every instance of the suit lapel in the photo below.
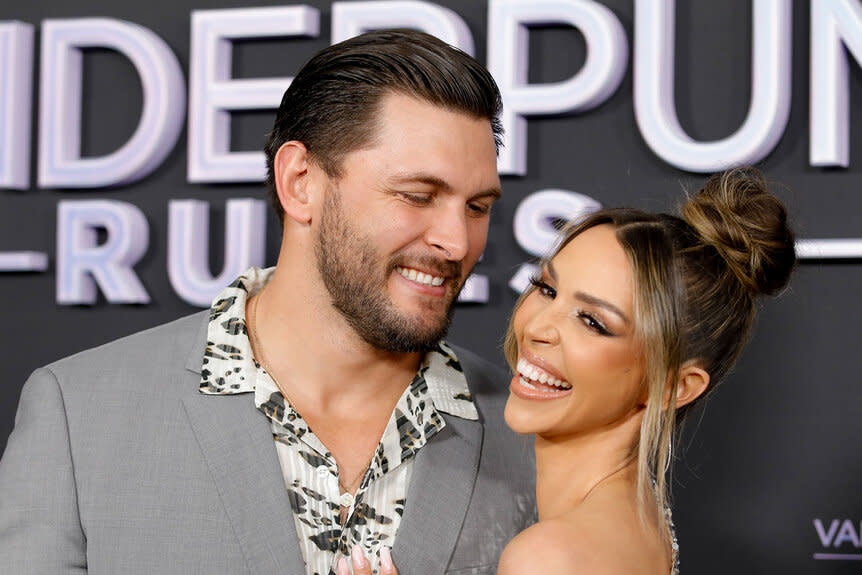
(239, 450)
(442, 482)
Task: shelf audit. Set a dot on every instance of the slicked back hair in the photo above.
(332, 105)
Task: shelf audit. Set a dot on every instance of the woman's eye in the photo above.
(543, 288)
(593, 323)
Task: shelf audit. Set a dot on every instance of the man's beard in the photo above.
(357, 283)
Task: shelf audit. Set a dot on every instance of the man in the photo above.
(314, 409)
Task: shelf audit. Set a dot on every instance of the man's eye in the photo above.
(479, 209)
(416, 199)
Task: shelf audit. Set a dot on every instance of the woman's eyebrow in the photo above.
(590, 299)
(599, 302)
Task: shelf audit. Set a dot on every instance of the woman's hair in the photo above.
(695, 282)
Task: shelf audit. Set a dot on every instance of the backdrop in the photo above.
(114, 115)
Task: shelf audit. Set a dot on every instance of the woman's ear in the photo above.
(290, 171)
(693, 381)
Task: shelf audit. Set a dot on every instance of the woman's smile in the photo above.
(579, 366)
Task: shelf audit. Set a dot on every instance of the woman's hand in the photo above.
(361, 565)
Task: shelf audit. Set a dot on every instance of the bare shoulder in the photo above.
(545, 547)
(599, 537)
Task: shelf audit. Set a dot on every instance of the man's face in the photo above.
(402, 227)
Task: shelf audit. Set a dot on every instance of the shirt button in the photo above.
(322, 471)
(346, 499)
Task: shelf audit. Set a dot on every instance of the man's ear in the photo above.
(692, 382)
(290, 171)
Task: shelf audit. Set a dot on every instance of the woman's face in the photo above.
(580, 369)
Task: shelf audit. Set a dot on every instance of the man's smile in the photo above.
(420, 277)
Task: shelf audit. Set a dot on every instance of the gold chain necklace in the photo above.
(347, 489)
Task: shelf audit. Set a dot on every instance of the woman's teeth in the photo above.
(420, 277)
(531, 373)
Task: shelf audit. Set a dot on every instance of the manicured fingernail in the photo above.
(358, 557)
(386, 560)
(343, 569)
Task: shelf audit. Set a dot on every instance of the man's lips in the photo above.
(420, 277)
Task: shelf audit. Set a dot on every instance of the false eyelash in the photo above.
(594, 322)
(542, 286)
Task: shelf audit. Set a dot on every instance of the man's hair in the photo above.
(332, 103)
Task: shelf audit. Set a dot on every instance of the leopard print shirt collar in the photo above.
(310, 472)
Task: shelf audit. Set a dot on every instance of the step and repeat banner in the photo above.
(131, 193)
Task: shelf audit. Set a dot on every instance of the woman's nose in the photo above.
(542, 327)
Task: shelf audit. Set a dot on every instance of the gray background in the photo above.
(776, 448)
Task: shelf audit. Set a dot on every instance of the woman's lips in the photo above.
(525, 389)
(535, 374)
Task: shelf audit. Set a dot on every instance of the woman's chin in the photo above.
(516, 418)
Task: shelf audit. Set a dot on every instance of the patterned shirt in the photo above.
(310, 471)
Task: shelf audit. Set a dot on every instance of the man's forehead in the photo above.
(396, 103)
(418, 142)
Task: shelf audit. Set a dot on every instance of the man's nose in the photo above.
(447, 232)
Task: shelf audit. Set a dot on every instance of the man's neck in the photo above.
(344, 389)
(317, 356)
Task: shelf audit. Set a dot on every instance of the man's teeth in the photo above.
(420, 277)
(530, 372)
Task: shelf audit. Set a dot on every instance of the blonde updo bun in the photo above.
(735, 214)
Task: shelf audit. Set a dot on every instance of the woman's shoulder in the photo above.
(596, 538)
(546, 547)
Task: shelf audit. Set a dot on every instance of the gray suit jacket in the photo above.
(117, 464)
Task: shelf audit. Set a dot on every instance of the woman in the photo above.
(633, 319)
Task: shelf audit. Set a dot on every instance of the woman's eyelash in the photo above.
(593, 322)
(542, 287)
(590, 320)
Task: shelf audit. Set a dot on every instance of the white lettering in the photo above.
(16, 69)
(350, 19)
(60, 161)
(82, 262)
(508, 60)
(846, 534)
(826, 536)
(188, 246)
(536, 225)
(538, 215)
(835, 24)
(23, 262)
(829, 248)
(213, 94)
(476, 290)
(654, 88)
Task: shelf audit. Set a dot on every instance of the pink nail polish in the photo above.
(358, 557)
(386, 560)
(343, 569)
